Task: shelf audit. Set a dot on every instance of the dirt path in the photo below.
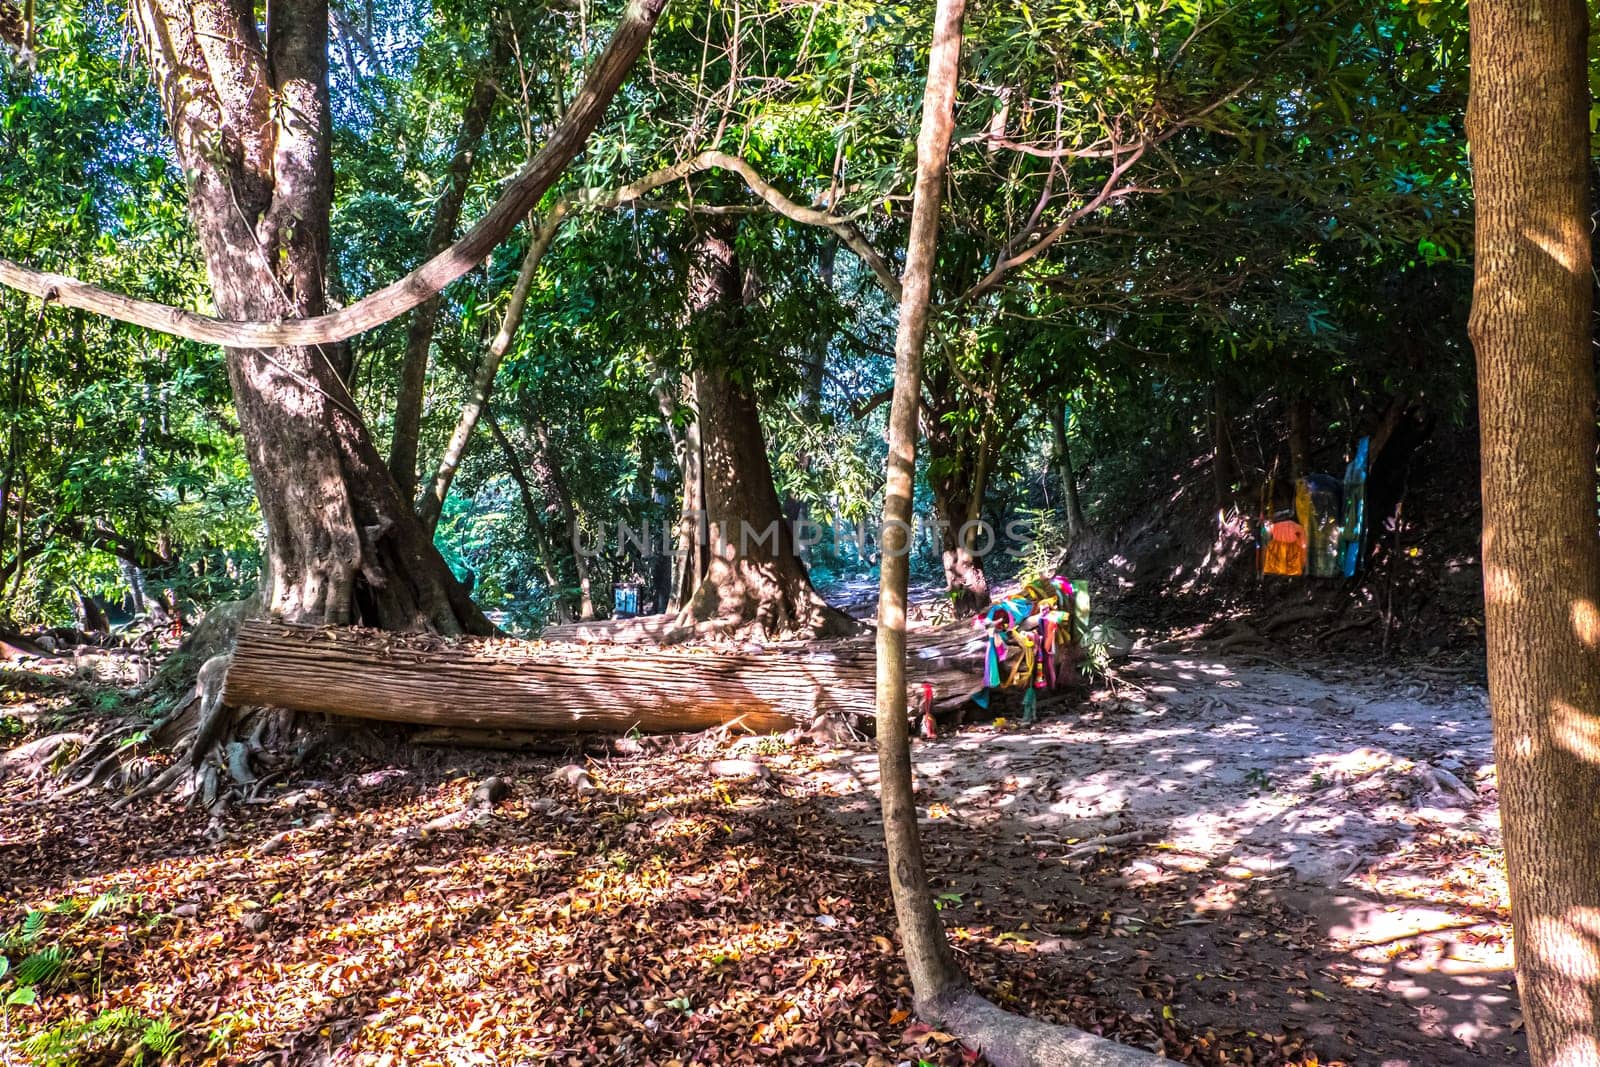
(1313, 850)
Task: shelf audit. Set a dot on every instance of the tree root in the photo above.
(217, 750)
(31, 759)
(1007, 1040)
(41, 682)
(220, 754)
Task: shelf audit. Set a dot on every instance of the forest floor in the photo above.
(1229, 859)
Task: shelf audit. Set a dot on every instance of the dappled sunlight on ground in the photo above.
(668, 916)
(1211, 816)
(1231, 862)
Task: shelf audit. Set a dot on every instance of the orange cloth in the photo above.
(1285, 553)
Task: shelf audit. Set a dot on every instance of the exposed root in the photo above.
(33, 758)
(40, 682)
(1294, 616)
(1008, 1040)
(219, 753)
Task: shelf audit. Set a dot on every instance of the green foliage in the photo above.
(119, 1033)
(1176, 203)
(1047, 540)
(112, 442)
(42, 963)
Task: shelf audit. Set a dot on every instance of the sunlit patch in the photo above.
(1522, 746)
(1576, 1050)
(1569, 249)
(1586, 623)
(1565, 946)
(1576, 730)
(1501, 586)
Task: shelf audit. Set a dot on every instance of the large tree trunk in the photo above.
(342, 543)
(940, 990)
(1531, 327)
(754, 574)
(419, 332)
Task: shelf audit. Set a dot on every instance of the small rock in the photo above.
(1327, 868)
(490, 791)
(575, 778)
(738, 768)
(627, 746)
(831, 730)
(255, 921)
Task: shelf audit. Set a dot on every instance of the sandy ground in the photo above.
(1349, 816)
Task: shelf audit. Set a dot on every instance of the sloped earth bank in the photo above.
(1164, 863)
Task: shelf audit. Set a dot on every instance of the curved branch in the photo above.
(842, 226)
(1108, 192)
(520, 197)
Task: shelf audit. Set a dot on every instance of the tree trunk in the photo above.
(432, 505)
(134, 577)
(1299, 437)
(1531, 328)
(419, 332)
(754, 574)
(91, 616)
(342, 544)
(941, 992)
(1077, 526)
(550, 469)
(934, 972)
(692, 554)
(1224, 460)
(535, 519)
(957, 502)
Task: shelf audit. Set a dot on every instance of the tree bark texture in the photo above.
(753, 574)
(250, 122)
(1531, 327)
(515, 685)
(419, 331)
(934, 972)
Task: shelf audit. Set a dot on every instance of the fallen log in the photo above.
(499, 684)
(641, 629)
(15, 647)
